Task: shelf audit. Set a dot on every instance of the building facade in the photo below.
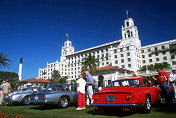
(126, 53)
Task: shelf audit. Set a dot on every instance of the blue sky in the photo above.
(35, 29)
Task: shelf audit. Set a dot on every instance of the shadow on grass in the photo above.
(164, 108)
(120, 113)
(41, 108)
(113, 112)
(48, 107)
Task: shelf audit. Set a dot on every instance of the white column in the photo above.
(112, 56)
(20, 69)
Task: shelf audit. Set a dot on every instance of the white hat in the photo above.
(4, 81)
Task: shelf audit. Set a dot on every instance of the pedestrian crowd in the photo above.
(85, 87)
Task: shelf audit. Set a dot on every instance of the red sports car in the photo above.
(127, 93)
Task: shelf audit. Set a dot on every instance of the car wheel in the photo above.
(147, 106)
(63, 102)
(24, 101)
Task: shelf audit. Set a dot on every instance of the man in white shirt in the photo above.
(81, 83)
(173, 80)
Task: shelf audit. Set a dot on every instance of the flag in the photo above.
(66, 34)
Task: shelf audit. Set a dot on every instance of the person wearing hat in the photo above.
(173, 81)
(2, 96)
(5, 90)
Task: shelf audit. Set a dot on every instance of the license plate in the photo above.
(36, 97)
(110, 98)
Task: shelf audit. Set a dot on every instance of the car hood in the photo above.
(126, 89)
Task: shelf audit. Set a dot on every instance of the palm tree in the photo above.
(55, 77)
(89, 63)
(4, 60)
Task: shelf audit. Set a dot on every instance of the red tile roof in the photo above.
(106, 67)
(113, 67)
(36, 80)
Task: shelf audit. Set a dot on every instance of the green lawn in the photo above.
(70, 112)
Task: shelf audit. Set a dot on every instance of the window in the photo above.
(156, 54)
(121, 49)
(149, 55)
(150, 60)
(102, 63)
(121, 55)
(116, 61)
(115, 51)
(128, 54)
(149, 50)
(143, 61)
(107, 63)
(127, 48)
(106, 54)
(129, 59)
(115, 56)
(127, 23)
(156, 49)
(129, 65)
(128, 33)
(122, 60)
(143, 56)
(142, 51)
(164, 52)
(123, 66)
(165, 58)
(173, 62)
(173, 57)
(106, 58)
(163, 47)
(157, 59)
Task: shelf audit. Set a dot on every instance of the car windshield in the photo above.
(24, 90)
(54, 88)
(125, 82)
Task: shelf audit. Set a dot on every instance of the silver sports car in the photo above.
(20, 96)
(61, 95)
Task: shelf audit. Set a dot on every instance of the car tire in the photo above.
(24, 101)
(63, 102)
(147, 105)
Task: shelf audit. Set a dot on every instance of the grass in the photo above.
(31, 111)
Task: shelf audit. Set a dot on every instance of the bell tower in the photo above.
(67, 49)
(130, 32)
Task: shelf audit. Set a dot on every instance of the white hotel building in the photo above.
(126, 53)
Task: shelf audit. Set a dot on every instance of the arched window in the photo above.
(131, 34)
(127, 23)
(128, 33)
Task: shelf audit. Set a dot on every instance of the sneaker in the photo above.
(79, 108)
(84, 108)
